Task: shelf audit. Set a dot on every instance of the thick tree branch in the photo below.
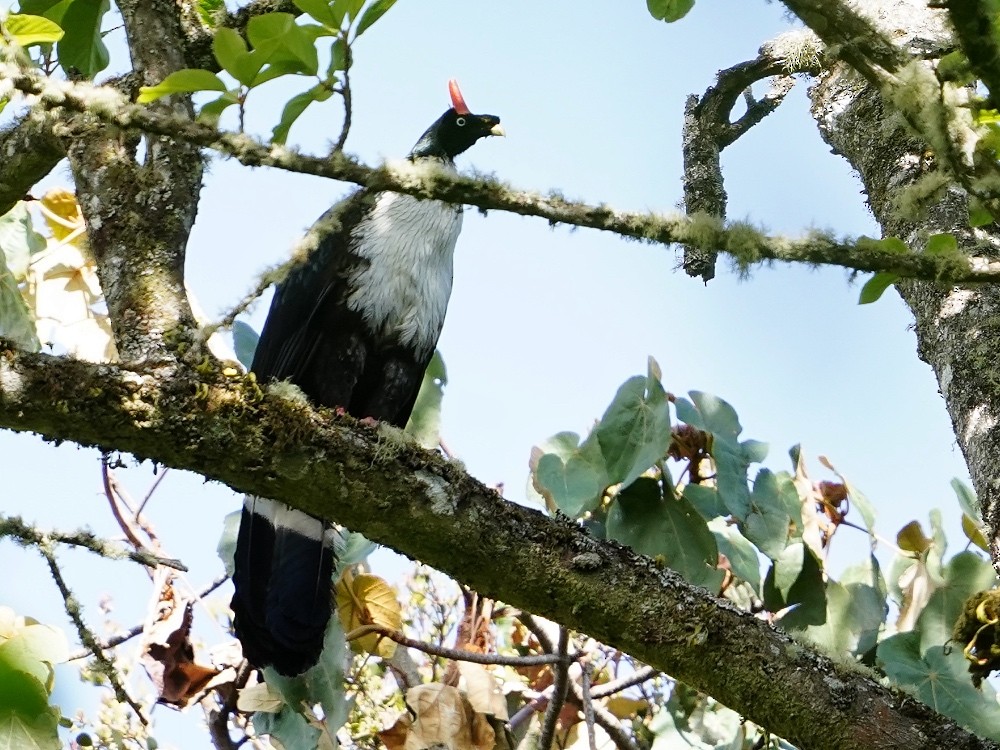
(957, 329)
(139, 215)
(373, 480)
(850, 36)
(28, 152)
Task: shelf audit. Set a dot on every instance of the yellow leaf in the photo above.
(912, 538)
(624, 707)
(974, 533)
(368, 600)
(63, 215)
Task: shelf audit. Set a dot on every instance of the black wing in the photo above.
(313, 340)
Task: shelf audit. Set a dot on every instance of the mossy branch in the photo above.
(26, 534)
(429, 509)
(746, 244)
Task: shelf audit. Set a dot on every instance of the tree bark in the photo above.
(958, 327)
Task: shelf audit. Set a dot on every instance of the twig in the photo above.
(345, 92)
(588, 705)
(16, 528)
(156, 484)
(123, 494)
(560, 687)
(532, 624)
(135, 630)
(603, 718)
(104, 665)
(456, 654)
(637, 678)
(109, 492)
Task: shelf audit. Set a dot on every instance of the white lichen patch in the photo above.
(981, 420)
(11, 381)
(442, 502)
(800, 49)
(956, 302)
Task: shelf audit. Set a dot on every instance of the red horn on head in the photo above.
(456, 98)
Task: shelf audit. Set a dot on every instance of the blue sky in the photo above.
(544, 324)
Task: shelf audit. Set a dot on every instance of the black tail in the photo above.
(284, 565)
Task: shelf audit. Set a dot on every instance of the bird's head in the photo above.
(455, 130)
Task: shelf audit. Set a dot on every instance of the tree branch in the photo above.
(974, 24)
(708, 129)
(29, 152)
(104, 665)
(26, 534)
(745, 244)
(851, 37)
(375, 481)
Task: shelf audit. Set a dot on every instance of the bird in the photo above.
(354, 327)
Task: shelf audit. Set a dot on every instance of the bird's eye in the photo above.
(460, 121)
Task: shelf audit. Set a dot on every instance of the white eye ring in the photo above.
(460, 121)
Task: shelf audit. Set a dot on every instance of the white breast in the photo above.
(403, 293)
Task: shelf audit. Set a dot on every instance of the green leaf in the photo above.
(937, 676)
(967, 499)
(742, 555)
(322, 11)
(47, 8)
(182, 81)
(325, 680)
(350, 7)
(212, 111)
(767, 522)
(82, 49)
(338, 58)
(669, 10)
(287, 726)
(425, 419)
(293, 109)
(372, 13)
(234, 57)
(17, 324)
(19, 240)
(876, 286)
(855, 611)
(705, 500)
(245, 341)
(732, 458)
(351, 548)
(634, 432)
(574, 485)
(28, 30)
(666, 529)
(26, 719)
(210, 11)
(796, 578)
(226, 547)
(965, 574)
(278, 39)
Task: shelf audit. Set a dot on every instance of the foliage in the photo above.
(277, 45)
(29, 651)
(718, 526)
